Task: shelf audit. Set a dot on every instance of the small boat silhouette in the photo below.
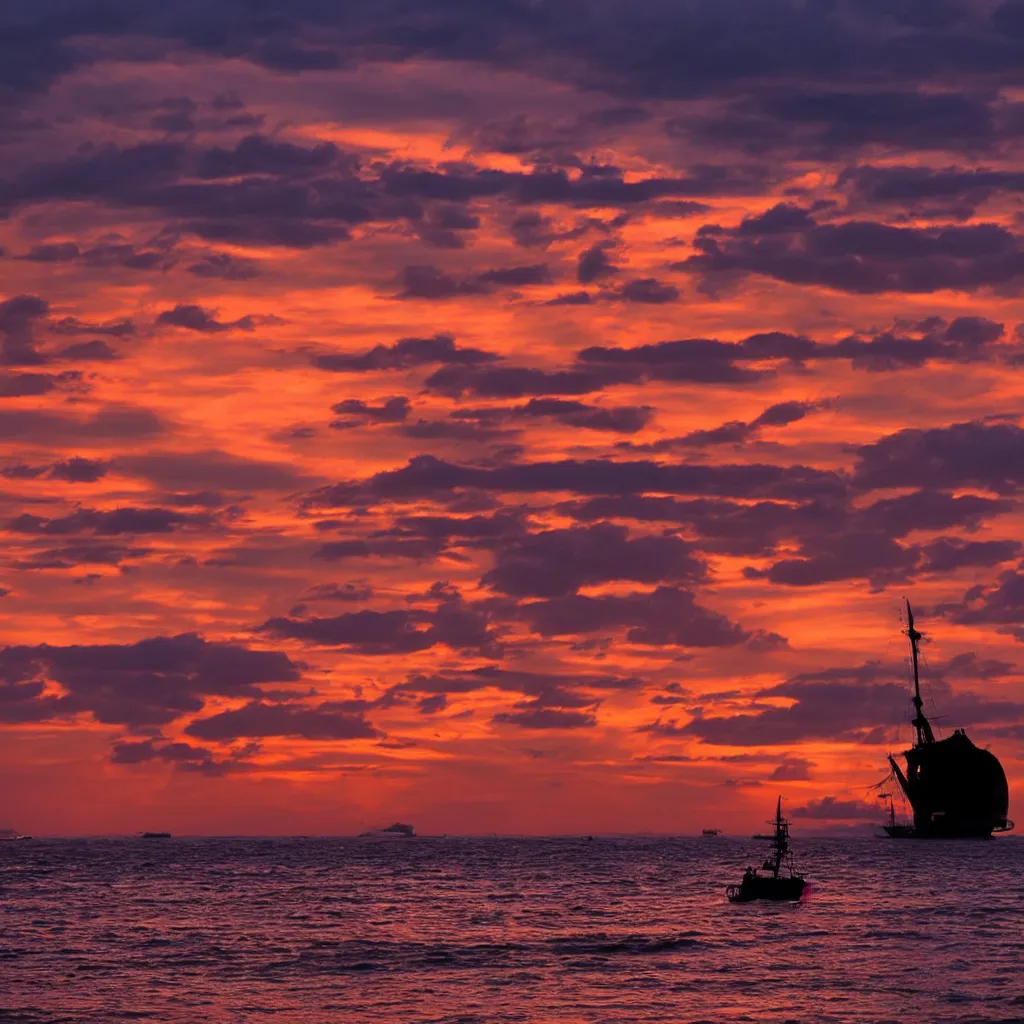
(156, 835)
(781, 882)
(398, 829)
(895, 829)
(710, 831)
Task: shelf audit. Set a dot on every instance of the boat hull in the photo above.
(900, 831)
(956, 789)
(787, 890)
(948, 830)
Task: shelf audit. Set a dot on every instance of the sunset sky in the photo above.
(516, 416)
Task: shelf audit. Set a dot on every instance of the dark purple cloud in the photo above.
(111, 422)
(955, 188)
(864, 257)
(704, 360)
(426, 476)
(827, 123)
(624, 419)
(88, 351)
(519, 381)
(260, 719)
(26, 385)
(947, 554)
(549, 689)
(380, 546)
(354, 412)
(736, 431)
(840, 704)
(18, 318)
(225, 267)
(109, 524)
(595, 264)
(546, 718)
(105, 255)
(649, 291)
(79, 470)
(854, 555)
(466, 529)
(985, 455)
(195, 318)
(697, 360)
(348, 592)
(666, 616)
(999, 604)
(256, 154)
(139, 752)
(559, 562)
(429, 282)
(758, 528)
(149, 683)
(454, 623)
(405, 354)
(794, 75)
(210, 469)
(70, 325)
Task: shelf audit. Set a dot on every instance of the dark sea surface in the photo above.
(482, 930)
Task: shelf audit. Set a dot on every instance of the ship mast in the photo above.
(781, 841)
(921, 724)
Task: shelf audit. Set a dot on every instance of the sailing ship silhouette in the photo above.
(956, 790)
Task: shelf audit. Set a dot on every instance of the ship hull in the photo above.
(787, 890)
(951, 830)
(956, 790)
(900, 831)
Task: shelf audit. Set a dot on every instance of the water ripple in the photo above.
(458, 931)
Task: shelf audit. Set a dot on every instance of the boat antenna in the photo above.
(920, 723)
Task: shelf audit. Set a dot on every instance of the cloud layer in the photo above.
(500, 406)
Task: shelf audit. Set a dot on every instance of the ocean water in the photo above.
(505, 930)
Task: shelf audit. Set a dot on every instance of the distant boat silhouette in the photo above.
(957, 790)
(156, 835)
(398, 830)
(763, 835)
(10, 834)
(895, 829)
(710, 831)
(779, 884)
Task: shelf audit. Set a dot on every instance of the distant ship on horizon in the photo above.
(398, 831)
(896, 829)
(8, 834)
(956, 790)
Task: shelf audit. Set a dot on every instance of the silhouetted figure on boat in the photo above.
(780, 882)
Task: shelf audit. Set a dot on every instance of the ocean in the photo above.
(479, 930)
